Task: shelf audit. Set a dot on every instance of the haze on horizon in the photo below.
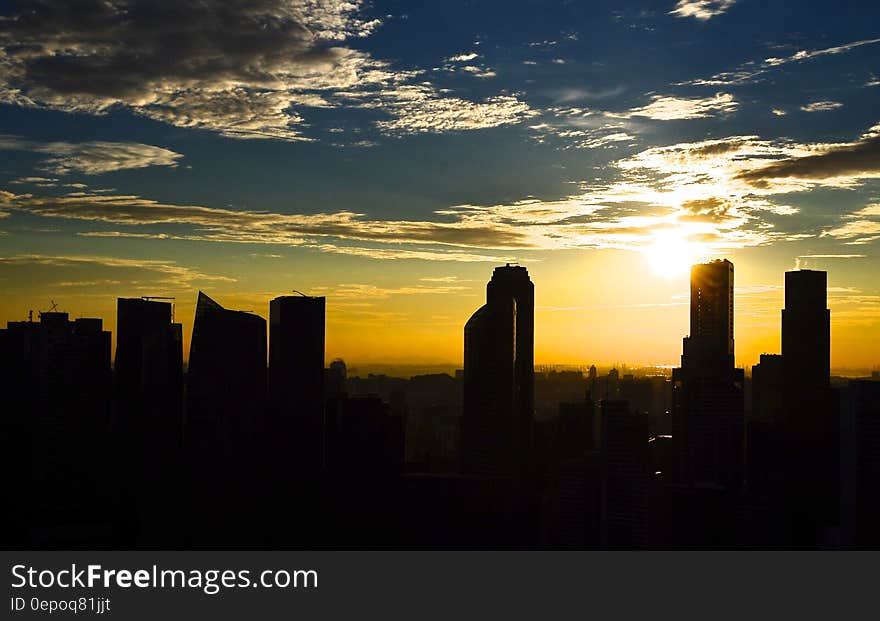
(388, 156)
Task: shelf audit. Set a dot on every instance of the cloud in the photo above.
(33, 180)
(702, 10)
(862, 226)
(241, 68)
(135, 273)
(712, 195)
(821, 106)
(750, 71)
(846, 162)
(90, 158)
(359, 291)
(157, 55)
(416, 110)
(857, 232)
(227, 225)
(832, 256)
(669, 108)
(867, 212)
(397, 254)
(462, 58)
(569, 95)
(779, 112)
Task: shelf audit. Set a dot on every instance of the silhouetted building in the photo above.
(56, 396)
(226, 378)
(767, 389)
(810, 414)
(148, 370)
(296, 378)
(860, 465)
(499, 378)
(366, 440)
(625, 447)
(707, 389)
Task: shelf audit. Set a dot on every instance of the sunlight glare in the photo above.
(671, 254)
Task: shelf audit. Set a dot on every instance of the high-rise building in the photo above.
(767, 389)
(149, 374)
(625, 447)
(56, 386)
(707, 389)
(499, 378)
(512, 281)
(806, 349)
(810, 425)
(296, 376)
(226, 379)
(710, 344)
(860, 464)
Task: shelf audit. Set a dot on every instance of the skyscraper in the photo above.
(806, 348)
(296, 376)
(55, 381)
(625, 447)
(810, 425)
(860, 464)
(710, 344)
(708, 390)
(226, 380)
(149, 372)
(499, 379)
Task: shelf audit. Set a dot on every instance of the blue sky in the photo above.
(387, 154)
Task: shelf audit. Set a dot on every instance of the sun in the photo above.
(671, 254)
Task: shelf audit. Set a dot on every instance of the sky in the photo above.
(388, 155)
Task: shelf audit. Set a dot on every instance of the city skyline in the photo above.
(381, 361)
(385, 156)
(297, 453)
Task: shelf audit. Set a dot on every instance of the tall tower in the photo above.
(149, 373)
(499, 377)
(296, 375)
(806, 343)
(707, 389)
(226, 381)
(710, 343)
(810, 425)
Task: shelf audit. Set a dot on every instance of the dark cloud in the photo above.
(184, 62)
(239, 67)
(857, 159)
(126, 50)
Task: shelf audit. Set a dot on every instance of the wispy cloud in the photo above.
(363, 291)
(821, 106)
(716, 195)
(832, 256)
(753, 70)
(670, 108)
(702, 10)
(463, 58)
(134, 274)
(90, 158)
(570, 95)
